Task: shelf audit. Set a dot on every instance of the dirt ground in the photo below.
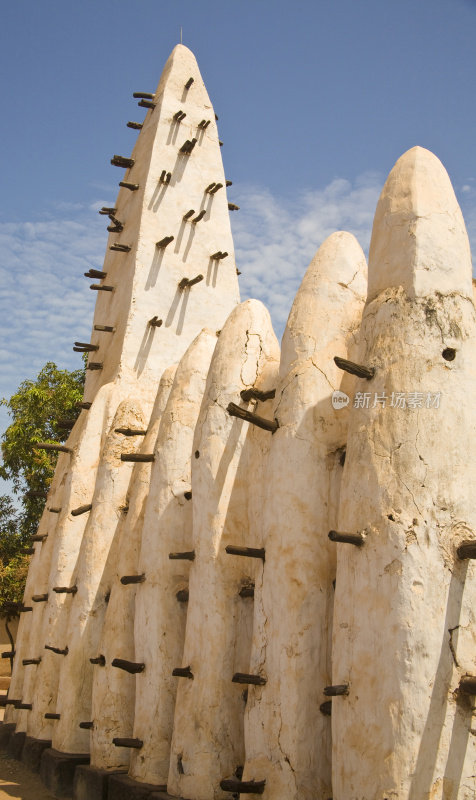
(16, 781)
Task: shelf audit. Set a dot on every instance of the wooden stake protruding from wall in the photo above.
(133, 187)
(233, 207)
(94, 365)
(188, 555)
(39, 537)
(186, 283)
(51, 715)
(117, 226)
(66, 424)
(138, 457)
(354, 369)
(54, 510)
(337, 690)
(30, 661)
(182, 672)
(60, 448)
(84, 347)
(356, 539)
(24, 706)
(242, 787)
(99, 660)
(106, 210)
(164, 242)
(143, 95)
(57, 650)
(40, 598)
(127, 579)
(467, 685)
(326, 708)
(245, 678)
(257, 394)
(155, 322)
(75, 512)
(135, 125)
(182, 595)
(188, 214)
(247, 590)
(101, 287)
(179, 116)
(216, 188)
(165, 177)
(249, 552)
(146, 104)
(95, 273)
(467, 549)
(86, 725)
(188, 146)
(104, 328)
(189, 83)
(199, 216)
(65, 589)
(248, 416)
(136, 744)
(218, 256)
(131, 431)
(121, 161)
(134, 667)
(120, 248)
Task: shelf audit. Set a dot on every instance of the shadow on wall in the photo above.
(430, 741)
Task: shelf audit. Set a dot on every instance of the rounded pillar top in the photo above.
(419, 239)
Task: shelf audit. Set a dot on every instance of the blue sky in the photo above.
(316, 101)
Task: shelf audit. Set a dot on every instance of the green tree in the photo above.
(42, 410)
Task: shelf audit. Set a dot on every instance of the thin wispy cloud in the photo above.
(276, 238)
(43, 294)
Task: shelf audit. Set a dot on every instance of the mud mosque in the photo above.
(255, 569)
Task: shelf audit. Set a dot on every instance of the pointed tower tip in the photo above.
(334, 282)
(181, 51)
(419, 239)
(184, 67)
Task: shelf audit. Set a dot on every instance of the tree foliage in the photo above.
(37, 409)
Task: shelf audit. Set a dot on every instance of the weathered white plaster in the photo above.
(207, 742)
(160, 618)
(113, 692)
(146, 279)
(287, 738)
(22, 676)
(88, 606)
(73, 486)
(134, 357)
(418, 214)
(402, 732)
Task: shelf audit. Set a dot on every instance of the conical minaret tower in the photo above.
(168, 272)
(170, 226)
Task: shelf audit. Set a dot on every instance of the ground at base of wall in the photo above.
(17, 781)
